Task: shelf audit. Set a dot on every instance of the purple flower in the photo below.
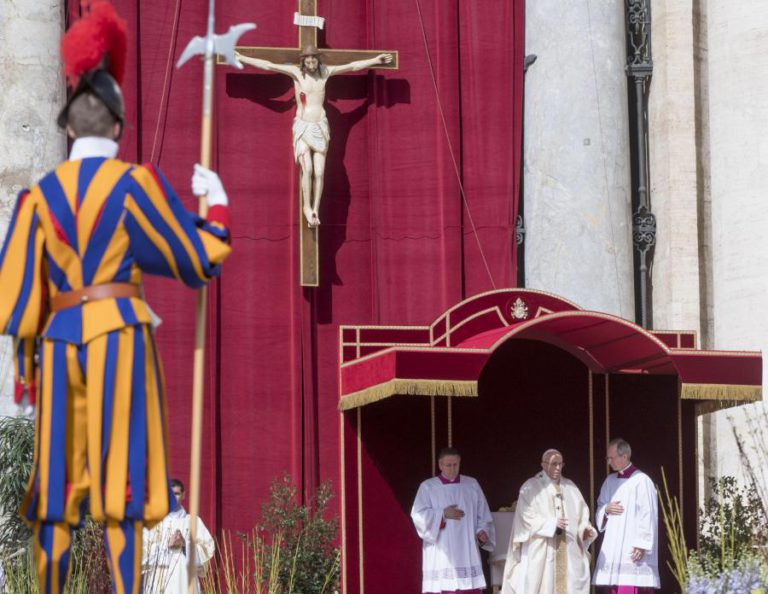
(738, 580)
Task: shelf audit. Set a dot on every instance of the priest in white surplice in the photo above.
(452, 518)
(627, 511)
(166, 546)
(551, 534)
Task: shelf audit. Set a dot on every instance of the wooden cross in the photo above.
(309, 256)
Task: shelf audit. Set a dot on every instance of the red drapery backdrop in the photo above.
(398, 244)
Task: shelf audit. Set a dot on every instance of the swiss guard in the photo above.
(70, 271)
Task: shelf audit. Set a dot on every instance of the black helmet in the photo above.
(100, 84)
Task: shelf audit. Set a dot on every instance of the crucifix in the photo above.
(311, 133)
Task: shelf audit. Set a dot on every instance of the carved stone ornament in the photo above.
(519, 310)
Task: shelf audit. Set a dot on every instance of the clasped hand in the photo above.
(176, 541)
(562, 523)
(452, 512)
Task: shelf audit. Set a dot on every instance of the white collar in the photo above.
(548, 481)
(179, 512)
(93, 146)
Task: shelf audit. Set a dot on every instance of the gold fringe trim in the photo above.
(408, 388)
(721, 392)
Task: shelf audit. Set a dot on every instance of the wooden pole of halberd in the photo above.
(199, 354)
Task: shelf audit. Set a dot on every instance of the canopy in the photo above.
(448, 357)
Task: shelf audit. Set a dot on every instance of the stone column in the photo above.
(673, 165)
(738, 92)
(737, 35)
(576, 155)
(33, 92)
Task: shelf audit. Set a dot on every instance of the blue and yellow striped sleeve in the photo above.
(22, 276)
(166, 239)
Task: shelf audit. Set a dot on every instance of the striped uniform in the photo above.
(101, 428)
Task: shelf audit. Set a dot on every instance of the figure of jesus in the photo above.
(311, 134)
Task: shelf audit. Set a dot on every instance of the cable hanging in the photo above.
(450, 146)
(166, 85)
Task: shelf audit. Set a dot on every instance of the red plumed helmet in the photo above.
(100, 33)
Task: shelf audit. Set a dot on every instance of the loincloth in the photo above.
(315, 135)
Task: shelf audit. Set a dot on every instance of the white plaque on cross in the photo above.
(305, 20)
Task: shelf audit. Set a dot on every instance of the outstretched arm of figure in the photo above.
(360, 64)
(288, 69)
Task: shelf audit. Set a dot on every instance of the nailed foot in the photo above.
(309, 215)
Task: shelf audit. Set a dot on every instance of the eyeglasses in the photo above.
(556, 464)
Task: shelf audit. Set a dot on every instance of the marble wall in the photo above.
(738, 123)
(33, 91)
(737, 70)
(576, 155)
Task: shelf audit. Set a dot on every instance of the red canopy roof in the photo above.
(448, 356)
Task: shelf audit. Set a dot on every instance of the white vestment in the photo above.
(636, 527)
(532, 560)
(450, 555)
(315, 135)
(164, 568)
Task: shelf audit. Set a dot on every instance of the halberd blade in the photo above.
(225, 44)
(196, 46)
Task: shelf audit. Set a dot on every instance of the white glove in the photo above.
(207, 183)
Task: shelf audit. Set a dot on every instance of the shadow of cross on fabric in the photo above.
(275, 93)
(309, 23)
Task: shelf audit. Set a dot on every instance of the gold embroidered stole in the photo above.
(561, 553)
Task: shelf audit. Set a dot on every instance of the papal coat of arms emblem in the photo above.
(519, 310)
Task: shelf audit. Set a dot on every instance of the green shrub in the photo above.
(308, 562)
(16, 453)
(732, 524)
(292, 551)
